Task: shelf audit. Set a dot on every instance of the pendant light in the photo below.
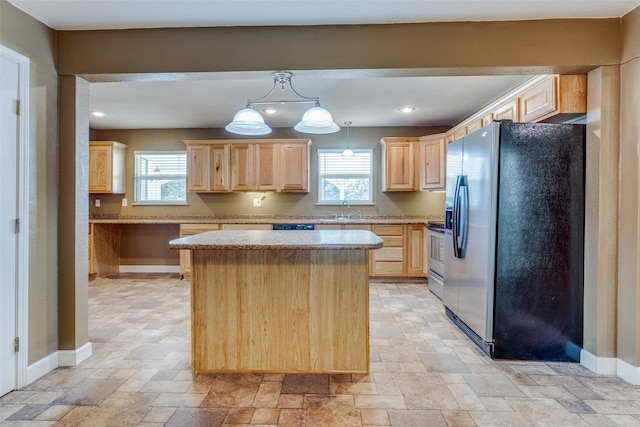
(315, 120)
(348, 152)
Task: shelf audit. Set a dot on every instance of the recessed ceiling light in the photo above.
(407, 109)
(97, 113)
(270, 110)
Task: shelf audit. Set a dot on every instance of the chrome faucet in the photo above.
(342, 210)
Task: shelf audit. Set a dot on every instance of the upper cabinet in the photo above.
(399, 156)
(554, 98)
(247, 165)
(433, 151)
(106, 167)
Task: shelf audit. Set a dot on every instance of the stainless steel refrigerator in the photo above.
(514, 237)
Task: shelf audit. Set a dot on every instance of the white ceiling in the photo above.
(211, 100)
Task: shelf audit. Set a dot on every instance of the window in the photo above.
(160, 177)
(345, 177)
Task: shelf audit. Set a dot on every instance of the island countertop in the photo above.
(280, 239)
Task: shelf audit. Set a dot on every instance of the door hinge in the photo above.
(16, 344)
(17, 226)
(17, 107)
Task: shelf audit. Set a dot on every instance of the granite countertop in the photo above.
(260, 219)
(280, 239)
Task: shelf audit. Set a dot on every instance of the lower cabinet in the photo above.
(389, 260)
(402, 254)
(185, 255)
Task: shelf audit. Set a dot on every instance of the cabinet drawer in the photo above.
(393, 241)
(389, 254)
(191, 229)
(247, 227)
(389, 230)
(388, 268)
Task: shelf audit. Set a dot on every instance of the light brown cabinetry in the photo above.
(294, 166)
(389, 260)
(555, 96)
(399, 164)
(432, 162)
(414, 251)
(243, 165)
(106, 167)
(185, 255)
(246, 227)
(208, 166)
(508, 111)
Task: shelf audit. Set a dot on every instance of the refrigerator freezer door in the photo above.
(475, 273)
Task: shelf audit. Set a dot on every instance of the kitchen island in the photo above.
(280, 301)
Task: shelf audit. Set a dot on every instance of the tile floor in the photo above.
(424, 372)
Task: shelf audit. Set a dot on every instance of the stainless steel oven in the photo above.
(435, 257)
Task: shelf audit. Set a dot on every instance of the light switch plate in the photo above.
(97, 203)
(124, 202)
(257, 202)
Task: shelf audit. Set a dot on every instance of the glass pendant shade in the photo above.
(248, 122)
(317, 120)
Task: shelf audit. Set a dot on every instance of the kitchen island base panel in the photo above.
(286, 311)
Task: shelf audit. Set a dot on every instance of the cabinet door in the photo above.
(243, 167)
(219, 168)
(267, 166)
(487, 119)
(294, 167)
(474, 126)
(507, 111)
(100, 169)
(399, 161)
(433, 162)
(538, 101)
(198, 168)
(414, 253)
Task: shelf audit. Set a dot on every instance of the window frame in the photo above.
(137, 183)
(347, 175)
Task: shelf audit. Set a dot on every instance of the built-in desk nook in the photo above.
(280, 301)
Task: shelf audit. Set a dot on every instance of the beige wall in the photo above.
(30, 38)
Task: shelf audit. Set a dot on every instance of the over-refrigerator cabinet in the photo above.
(514, 219)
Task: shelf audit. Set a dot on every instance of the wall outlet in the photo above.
(257, 202)
(125, 202)
(97, 203)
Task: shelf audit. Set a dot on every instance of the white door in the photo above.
(9, 90)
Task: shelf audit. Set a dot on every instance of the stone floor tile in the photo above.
(375, 417)
(458, 419)
(197, 417)
(290, 401)
(616, 407)
(187, 400)
(28, 412)
(290, 417)
(265, 416)
(54, 412)
(465, 397)
(331, 410)
(239, 416)
(494, 418)
(158, 415)
(89, 392)
(416, 418)
(267, 395)
(306, 383)
(492, 385)
(380, 401)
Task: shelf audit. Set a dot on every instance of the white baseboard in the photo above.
(149, 269)
(42, 367)
(74, 357)
(599, 365)
(610, 366)
(628, 372)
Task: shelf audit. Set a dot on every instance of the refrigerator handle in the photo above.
(455, 221)
(463, 208)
